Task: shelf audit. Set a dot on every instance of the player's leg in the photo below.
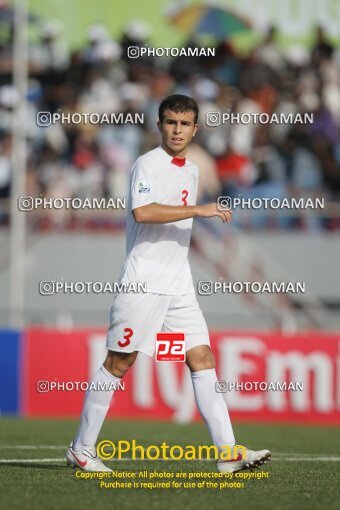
(118, 363)
(134, 321)
(213, 409)
(185, 316)
(82, 451)
(97, 403)
(210, 403)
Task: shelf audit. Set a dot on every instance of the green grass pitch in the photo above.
(304, 472)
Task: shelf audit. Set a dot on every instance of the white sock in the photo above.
(212, 407)
(96, 405)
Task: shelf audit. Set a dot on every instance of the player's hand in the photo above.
(210, 210)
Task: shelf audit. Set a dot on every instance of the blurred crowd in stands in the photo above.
(249, 160)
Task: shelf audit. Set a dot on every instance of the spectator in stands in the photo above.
(322, 49)
(247, 159)
(269, 52)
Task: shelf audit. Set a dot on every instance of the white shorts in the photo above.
(135, 319)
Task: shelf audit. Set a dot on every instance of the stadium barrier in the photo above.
(264, 376)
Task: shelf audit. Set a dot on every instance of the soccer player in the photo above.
(161, 208)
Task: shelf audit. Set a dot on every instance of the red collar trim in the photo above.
(178, 161)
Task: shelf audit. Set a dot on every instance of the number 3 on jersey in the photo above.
(128, 334)
(185, 194)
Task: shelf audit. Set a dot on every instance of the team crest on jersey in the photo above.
(144, 187)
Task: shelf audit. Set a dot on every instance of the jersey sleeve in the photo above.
(143, 185)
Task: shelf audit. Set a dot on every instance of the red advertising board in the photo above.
(274, 377)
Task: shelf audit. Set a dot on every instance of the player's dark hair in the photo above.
(178, 103)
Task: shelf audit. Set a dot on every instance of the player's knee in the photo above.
(118, 363)
(200, 358)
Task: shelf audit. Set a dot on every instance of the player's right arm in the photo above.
(159, 213)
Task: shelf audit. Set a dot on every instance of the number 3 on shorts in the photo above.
(128, 334)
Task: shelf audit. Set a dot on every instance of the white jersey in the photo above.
(157, 254)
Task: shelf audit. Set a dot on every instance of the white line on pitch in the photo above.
(287, 459)
(307, 459)
(278, 455)
(31, 447)
(6, 461)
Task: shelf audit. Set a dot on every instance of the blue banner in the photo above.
(10, 342)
